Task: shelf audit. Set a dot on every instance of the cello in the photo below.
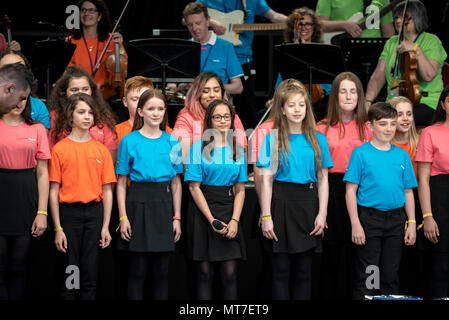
(317, 90)
(407, 84)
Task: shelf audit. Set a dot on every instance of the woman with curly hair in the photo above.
(92, 37)
(309, 27)
(75, 80)
(81, 174)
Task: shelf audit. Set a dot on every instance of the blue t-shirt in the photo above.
(300, 166)
(39, 112)
(149, 160)
(382, 176)
(253, 8)
(326, 87)
(220, 58)
(219, 170)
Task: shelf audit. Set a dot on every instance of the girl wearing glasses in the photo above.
(216, 171)
(92, 37)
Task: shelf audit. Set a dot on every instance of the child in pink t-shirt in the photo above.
(76, 80)
(432, 156)
(24, 189)
(345, 129)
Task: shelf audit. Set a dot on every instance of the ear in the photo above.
(139, 112)
(370, 126)
(442, 105)
(9, 88)
(125, 102)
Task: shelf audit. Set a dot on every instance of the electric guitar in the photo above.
(356, 17)
(233, 22)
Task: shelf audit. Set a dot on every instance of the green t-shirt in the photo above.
(338, 10)
(433, 49)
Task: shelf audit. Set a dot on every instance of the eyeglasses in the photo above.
(219, 117)
(90, 10)
(306, 25)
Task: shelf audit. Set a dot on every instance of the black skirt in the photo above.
(203, 243)
(439, 192)
(149, 207)
(18, 201)
(338, 222)
(294, 208)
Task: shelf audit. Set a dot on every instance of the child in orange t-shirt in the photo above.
(81, 174)
(134, 87)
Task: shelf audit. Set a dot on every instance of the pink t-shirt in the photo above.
(104, 135)
(257, 139)
(433, 147)
(187, 127)
(341, 147)
(22, 145)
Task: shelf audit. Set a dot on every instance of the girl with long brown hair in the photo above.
(294, 192)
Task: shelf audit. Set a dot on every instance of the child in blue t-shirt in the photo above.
(216, 171)
(379, 182)
(150, 210)
(294, 161)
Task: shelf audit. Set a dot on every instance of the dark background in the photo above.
(143, 16)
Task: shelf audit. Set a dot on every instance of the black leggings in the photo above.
(140, 264)
(299, 265)
(13, 255)
(205, 277)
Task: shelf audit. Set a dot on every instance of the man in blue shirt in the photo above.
(217, 55)
(246, 102)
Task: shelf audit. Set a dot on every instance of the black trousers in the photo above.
(82, 225)
(437, 274)
(384, 236)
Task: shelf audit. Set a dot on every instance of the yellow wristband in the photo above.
(123, 218)
(427, 215)
(58, 229)
(263, 218)
(415, 47)
(411, 221)
(42, 212)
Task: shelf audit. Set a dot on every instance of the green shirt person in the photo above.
(430, 56)
(335, 18)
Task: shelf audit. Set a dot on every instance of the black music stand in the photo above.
(164, 60)
(309, 62)
(361, 55)
(49, 58)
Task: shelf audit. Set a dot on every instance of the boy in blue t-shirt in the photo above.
(379, 181)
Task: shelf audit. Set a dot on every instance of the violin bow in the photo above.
(97, 66)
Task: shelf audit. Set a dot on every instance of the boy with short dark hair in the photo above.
(379, 181)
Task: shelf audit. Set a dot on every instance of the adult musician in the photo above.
(334, 16)
(245, 103)
(430, 56)
(15, 86)
(91, 39)
(217, 55)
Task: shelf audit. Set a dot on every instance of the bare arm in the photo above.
(43, 186)
(235, 86)
(410, 234)
(107, 209)
(239, 199)
(185, 146)
(376, 82)
(358, 234)
(431, 231)
(275, 17)
(176, 189)
(266, 191)
(323, 197)
(350, 27)
(428, 68)
(60, 238)
(200, 200)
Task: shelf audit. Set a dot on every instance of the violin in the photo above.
(117, 70)
(407, 85)
(116, 65)
(317, 90)
(7, 24)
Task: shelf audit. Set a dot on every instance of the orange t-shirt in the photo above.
(92, 48)
(125, 127)
(81, 169)
(407, 147)
(340, 146)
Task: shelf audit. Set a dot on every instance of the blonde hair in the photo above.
(413, 134)
(281, 95)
